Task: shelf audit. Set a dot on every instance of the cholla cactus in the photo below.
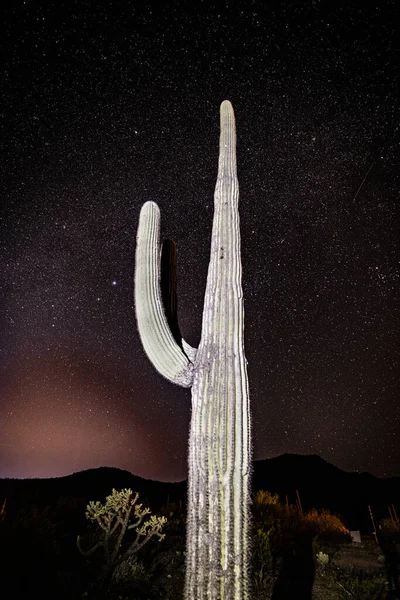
(119, 514)
(219, 447)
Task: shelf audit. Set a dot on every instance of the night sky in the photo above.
(107, 105)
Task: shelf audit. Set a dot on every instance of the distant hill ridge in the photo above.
(319, 483)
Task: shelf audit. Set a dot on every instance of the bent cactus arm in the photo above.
(158, 342)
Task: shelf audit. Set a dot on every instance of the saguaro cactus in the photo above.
(219, 448)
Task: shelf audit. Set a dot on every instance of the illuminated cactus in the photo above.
(219, 448)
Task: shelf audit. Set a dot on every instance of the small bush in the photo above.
(263, 498)
(390, 526)
(322, 559)
(262, 556)
(327, 526)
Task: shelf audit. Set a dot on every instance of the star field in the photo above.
(104, 108)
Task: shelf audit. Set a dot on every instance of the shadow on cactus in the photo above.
(219, 446)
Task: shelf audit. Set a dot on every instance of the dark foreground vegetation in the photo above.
(298, 551)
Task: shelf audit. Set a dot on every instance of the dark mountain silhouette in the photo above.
(84, 486)
(322, 485)
(319, 484)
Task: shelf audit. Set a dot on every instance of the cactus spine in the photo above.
(219, 448)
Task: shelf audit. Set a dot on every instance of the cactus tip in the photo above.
(226, 105)
(150, 206)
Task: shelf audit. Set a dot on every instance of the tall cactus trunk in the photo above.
(219, 448)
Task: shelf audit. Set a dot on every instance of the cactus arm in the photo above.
(157, 339)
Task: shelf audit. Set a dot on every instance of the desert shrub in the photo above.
(282, 522)
(130, 579)
(269, 512)
(265, 498)
(161, 571)
(176, 519)
(323, 547)
(322, 559)
(263, 565)
(168, 564)
(266, 506)
(327, 526)
(169, 574)
(131, 570)
(390, 526)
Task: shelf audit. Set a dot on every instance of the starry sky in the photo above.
(107, 105)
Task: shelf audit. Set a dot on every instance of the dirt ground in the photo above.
(351, 558)
(359, 556)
